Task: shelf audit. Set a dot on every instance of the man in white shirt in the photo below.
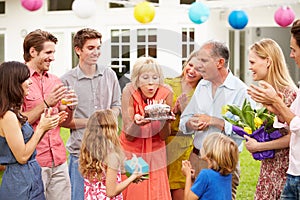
(203, 115)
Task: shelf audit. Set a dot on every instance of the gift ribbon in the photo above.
(135, 163)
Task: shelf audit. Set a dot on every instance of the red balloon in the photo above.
(32, 5)
(284, 16)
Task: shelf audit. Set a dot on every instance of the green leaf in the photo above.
(230, 120)
(235, 110)
(249, 119)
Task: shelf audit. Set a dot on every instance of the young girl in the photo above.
(221, 154)
(101, 158)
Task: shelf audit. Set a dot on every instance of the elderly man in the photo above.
(203, 115)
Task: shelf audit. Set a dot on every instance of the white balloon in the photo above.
(84, 8)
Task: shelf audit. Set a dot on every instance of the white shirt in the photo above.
(232, 91)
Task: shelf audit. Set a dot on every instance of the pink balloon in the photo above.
(284, 16)
(32, 5)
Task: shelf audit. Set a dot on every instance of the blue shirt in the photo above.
(232, 91)
(211, 185)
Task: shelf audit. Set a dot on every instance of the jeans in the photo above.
(77, 181)
(291, 189)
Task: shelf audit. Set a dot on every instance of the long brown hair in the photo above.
(12, 75)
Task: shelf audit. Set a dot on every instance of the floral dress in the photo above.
(272, 175)
(96, 190)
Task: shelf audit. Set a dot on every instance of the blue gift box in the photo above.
(136, 162)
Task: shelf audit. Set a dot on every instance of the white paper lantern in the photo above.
(84, 8)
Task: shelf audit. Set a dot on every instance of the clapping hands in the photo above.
(187, 169)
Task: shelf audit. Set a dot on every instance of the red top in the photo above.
(50, 150)
(149, 146)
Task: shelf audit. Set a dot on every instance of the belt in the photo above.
(196, 151)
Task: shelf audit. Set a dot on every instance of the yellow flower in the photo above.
(258, 122)
(248, 130)
(225, 108)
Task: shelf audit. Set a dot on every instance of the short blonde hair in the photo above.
(221, 152)
(145, 64)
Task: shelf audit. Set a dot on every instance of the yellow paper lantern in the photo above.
(144, 12)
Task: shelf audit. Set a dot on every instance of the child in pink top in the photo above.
(101, 158)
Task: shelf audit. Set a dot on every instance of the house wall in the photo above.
(169, 19)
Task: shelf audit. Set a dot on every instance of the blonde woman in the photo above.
(221, 154)
(267, 63)
(143, 137)
(179, 146)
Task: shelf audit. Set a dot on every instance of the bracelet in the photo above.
(46, 104)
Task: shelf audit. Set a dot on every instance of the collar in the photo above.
(34, 72)
(228, 83)
(81, 75)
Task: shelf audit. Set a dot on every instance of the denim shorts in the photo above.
(291, 189)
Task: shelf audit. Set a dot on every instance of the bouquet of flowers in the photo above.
(256, 123)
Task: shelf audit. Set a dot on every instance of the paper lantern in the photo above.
(284, 16)
(238, 19)
(198, 13)
(32, 5)
(144, 12)
(84, 8)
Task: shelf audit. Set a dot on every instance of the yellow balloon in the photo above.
(144, 12)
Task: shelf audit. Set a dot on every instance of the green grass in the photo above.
(249, 172)
(249, 176)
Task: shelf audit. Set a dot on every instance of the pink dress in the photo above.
(272, 175)
(96, 190)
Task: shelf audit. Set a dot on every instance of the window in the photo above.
(188, 43)
(59, 5)
(147, 42)
(2, 50)
(127, 3)
(120, 51)
(2, 7)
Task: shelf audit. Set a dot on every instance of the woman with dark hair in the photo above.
(22, 176)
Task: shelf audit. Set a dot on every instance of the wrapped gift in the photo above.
(260, 135)
(136, 164)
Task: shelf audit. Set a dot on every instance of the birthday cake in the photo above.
(157, 110)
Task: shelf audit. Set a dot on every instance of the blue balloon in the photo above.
(198, 13)
(238, 19)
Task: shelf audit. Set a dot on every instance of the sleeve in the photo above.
(295, 122)
(201, 184)
(295, 125)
